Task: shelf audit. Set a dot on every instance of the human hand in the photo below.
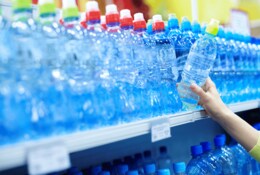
(210, 99)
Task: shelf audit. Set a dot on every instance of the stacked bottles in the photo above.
(109, 70)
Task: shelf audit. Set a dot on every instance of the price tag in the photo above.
(47, 158)
(161, 130)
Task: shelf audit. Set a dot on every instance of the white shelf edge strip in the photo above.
(15, 155)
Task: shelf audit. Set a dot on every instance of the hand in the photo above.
(210, 99)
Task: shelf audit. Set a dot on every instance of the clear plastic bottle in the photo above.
(166, 61)
(164, 160)
(186, 40)
(196, 30)
(179, 168)
(200, 60)
(148, 159)
(225, 156)
(244, 165)
(210, 159)
(197, 165)
(79, 69)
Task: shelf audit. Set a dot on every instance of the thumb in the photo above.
(198, 90)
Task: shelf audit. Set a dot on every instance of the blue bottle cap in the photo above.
(179, 167)
(206, 146)
(104, 173)
(163, 172)
(173, 22)
(134, 172)
(196, 27)
(220, 140)
(185, 24)
(149, 168)
(122, 169)
(96, 170)
(196, 150)
(163, 149)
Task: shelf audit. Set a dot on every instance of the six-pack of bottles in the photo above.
(65, 76)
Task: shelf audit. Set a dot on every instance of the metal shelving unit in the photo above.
(16, 155)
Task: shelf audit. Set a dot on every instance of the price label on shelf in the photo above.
(160, 130)
(47, 158)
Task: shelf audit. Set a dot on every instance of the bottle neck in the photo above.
(22, 14)
(47, 18)
(113, 27)
(71, 21)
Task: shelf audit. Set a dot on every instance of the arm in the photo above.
(240, 130)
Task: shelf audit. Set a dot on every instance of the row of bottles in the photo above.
(61, 78)
(230, 159)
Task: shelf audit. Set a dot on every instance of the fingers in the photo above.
(199, 91)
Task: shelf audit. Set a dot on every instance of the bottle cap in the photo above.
(163, 172)
(70, 9)
(158, 23)
(196, 27)
(212, 27)
(93, 12)
(172, 21)
(21, 4)
(112, 15)
(220, 140)
(149, 168)
(126, 18)
(206, 146)
(139, 22)
(163, 149)
(46, 6)
(134, 172)
(185, 24)
(179, 167)
(196, 150)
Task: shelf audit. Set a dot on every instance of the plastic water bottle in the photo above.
(150, 169)
(179, 168)
(186, 40)
(197, 165)
(197, 68)
(163, 172)
(166, 60)
(225, 156)
(164, 160)
(21, 87)
(104, 104)
(243, 159)
(79, 70)
(210, 159)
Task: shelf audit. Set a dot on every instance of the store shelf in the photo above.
(15, 155)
